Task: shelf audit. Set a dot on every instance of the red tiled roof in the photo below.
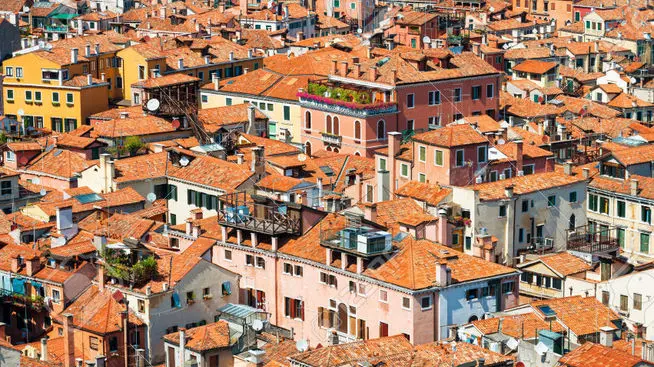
(204, 338)
(583, 315)
(535, 66)
(596, 355)
(453, 135)
(524, 184)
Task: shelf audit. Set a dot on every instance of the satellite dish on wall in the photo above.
(302, 345)
(257, 325)
(151, 197)
(36, 181)
(359, 31)
(426, 39)
(153, 105)
(42, 192)
(20, 112)
(301, 157)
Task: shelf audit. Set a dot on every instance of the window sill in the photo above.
(426, 309)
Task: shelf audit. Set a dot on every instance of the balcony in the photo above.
(56, 28)
(356, 239)
(332, 140)
(259, 214)
(588, 239)
(36, 303)
(352, 101)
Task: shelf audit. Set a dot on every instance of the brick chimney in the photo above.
(32, 265)
(518, 155)
(372, 74)
(333, 67)
(634, 187)
(442, 227)
(370, 212)
(343, 69)
(69, 341)
(443, 274)
(394, 142)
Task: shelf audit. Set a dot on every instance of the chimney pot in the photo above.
(73, 55)
(634, 187)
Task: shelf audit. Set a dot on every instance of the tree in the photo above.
(133, 144)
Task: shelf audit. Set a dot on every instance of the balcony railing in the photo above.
(33, 302)
(591, 240)
(346, 108)
(331, 139)
(56, 28)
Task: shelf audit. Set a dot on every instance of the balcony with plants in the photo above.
(323, 95)
(126, 267)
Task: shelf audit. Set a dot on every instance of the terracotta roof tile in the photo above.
(635, 155)
(517, 326)
(432, 194)
(563, 263)
(535, 66)
(583, 315)
(132, 126)
(215, 118)
(166, 80)
(59, 162)
(453, 135)
(596, 355)
(524, 184)
(204, 338)
(212, 172)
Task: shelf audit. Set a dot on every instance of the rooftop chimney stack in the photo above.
(634, 186)
(373, 74)
(73, 55)
(180, 63)
(606, 336)
(44, 349)
(370, 212)
(87, 50)
(89, 79)
(69, 341)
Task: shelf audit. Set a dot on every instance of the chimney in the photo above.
(244, 7)
(357, 70)
(258, 163)
(69, 341)
(393, 76)
(606, 336)
(189, 226)
(634, 187)
(180, 63)
(231, 55)
(64, 218)
(250, 53)
(343, 69)
(252, 113)
(32, 266)
(442, 273)
(44, 349)
(97, 48)
(370, 212)
(518, 155)
(87, 50)
(103, 76)
(245, 70)
(508, 191)
(182, 345)
(207, 59)
(101, 277)
(442, 227)
(89, 79)
(585, 172)
(216, 81)
(372, 74)
(15, 263)
(124, 114)
(73, 55)
(300, 36)
(107, 170)
(240, 158)
(394, 141)
(162, 13)
(333, 67)
(567, 168)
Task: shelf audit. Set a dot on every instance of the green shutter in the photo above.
(189, 197)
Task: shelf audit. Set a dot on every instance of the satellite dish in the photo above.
(20, 112)
(184, 161)
(176, 124)
(301, 157)
(43, 192)
(426, 39)
(359, 31)
(302, 345)
(257, 325)
(151, 197)
(512, 343)
(632, 80)
(501, 141)
(153, 105)
(541, 348)
(59, 241)
(26, 9)
(36, 181)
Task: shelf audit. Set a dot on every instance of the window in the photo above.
(381, 130)
(434, 121)
(406, 303)
(502, 211)
(638, 301)
(383, 296)
(362, 289)
(438, 158)
(55, 97)
(422, 177)
(328, 279)
(369, 193)
(141, 72)
(28, 96)
(299, 271)
(621, 208)
(525, 206)
(9, 71)
(205, 98)
(457, 94)
(69, 98)
(551, 200)
(455, 238)
(646, 214)
(605, 298)
(249, 260)
(19, 72)
(287, 113)
(119, 82)
(434, 97)
(228, 101)
(93, 342)
(573, 197)
(382, 164)
(556, 283)
(352, 287)
(508, 287)
(620, 232)
(293, 308)
(56, 296)
(604, 205)
(141, 306)
(113, 344)
(476, 92)
(404, 170)
(472, 294)
(490, 91)
(425, 303)
(288, 269)
(261, 262)
(624, 303)
(422, 153)
(460, 158)
(190, 297)
(410, 100)
(5, 188)
(521, 235)
(592, 202)
(10, 94)
(481, 154)
(644, 243)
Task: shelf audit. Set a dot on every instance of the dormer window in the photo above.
(613, 170)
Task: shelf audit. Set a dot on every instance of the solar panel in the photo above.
(88, 198)
(327, 170)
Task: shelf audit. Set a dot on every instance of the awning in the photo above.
(18, 285)
(64, 16)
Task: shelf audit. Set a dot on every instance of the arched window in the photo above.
(357, 154)
(357, 130)
(328, 124)
(342, 318)
(307, 120)
(381, 129)
(335, 126)
(473, 318)
(573, 222)
(307, 148)
(336, 150)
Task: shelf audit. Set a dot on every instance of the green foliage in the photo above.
(339, 94)
(133, 144)
(3, 138)
(146, 269)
